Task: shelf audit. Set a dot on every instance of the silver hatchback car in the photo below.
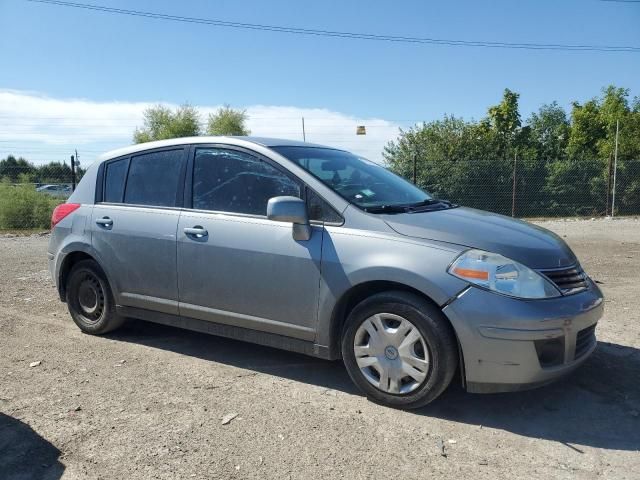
(315, 250)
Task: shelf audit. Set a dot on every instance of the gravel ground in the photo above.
(148, 401)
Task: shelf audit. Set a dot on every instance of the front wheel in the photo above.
(399, 349)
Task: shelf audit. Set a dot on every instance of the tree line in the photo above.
(161, 123)
(19, 170)
(553, 163)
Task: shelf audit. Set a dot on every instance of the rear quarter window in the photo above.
(115, 175)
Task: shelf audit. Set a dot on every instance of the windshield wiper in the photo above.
(387, 209)
(432, 202)
(424, 203)
(410, 207)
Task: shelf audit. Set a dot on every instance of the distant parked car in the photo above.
(315, 250)
(58, 190)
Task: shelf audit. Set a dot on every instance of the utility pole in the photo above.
(73, 171)
(513, 193)
(615, 171)
(304, 134)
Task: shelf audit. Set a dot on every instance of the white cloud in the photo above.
(42, 128)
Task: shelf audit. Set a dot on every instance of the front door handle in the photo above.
(196, 231)
(105, 222)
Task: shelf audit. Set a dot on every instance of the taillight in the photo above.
(62, 211)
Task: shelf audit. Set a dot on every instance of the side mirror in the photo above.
(290, 209)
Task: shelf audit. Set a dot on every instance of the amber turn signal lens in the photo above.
(468, 273)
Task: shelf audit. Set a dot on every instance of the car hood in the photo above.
(523, 242)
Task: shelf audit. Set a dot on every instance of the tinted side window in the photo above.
(114, 180)
(233, 181)
(321, 210)
(153, 178)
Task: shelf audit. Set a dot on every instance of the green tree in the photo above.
(456, 160)
(549, 132)
(12, 168)
(504, 118)
(592, 143)
(161, 122)
(56, 172)
(586, 131)
(227, 121)
(575, 187)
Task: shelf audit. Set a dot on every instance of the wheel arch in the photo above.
(70, 259)
(356, 294)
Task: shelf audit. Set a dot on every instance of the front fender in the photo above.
(350, 259)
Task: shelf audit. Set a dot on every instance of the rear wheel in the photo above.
(90, 300)
(399, 349)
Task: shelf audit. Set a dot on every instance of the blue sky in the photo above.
(60, 54)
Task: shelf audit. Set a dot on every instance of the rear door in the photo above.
(236, 266)
(134, 227)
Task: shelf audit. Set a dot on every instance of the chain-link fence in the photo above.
(526, 190)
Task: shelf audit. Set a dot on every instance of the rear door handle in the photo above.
(105, 222)
(196, 231)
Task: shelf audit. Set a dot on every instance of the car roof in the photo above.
(228, 140)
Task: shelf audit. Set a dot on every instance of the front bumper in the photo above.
(503, 339)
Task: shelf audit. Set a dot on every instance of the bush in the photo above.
(22, 207)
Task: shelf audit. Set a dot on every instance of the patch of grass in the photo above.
(21, 207)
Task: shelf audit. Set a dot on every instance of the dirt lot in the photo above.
(147, 401)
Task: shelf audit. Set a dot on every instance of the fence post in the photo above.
(615, 171)
(73, 171)
(415, 167)
(609, 173)
(513, 193)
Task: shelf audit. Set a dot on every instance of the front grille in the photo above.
(585, 340)
(568, 280)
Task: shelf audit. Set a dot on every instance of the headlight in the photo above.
(500, 274)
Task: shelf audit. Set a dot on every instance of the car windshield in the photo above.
(364, 183)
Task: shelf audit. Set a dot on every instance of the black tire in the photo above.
(436, 331)
(89, 299)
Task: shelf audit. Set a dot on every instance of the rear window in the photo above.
(114, 180)
(153, 178)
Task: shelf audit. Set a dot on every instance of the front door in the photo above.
(235, 266)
